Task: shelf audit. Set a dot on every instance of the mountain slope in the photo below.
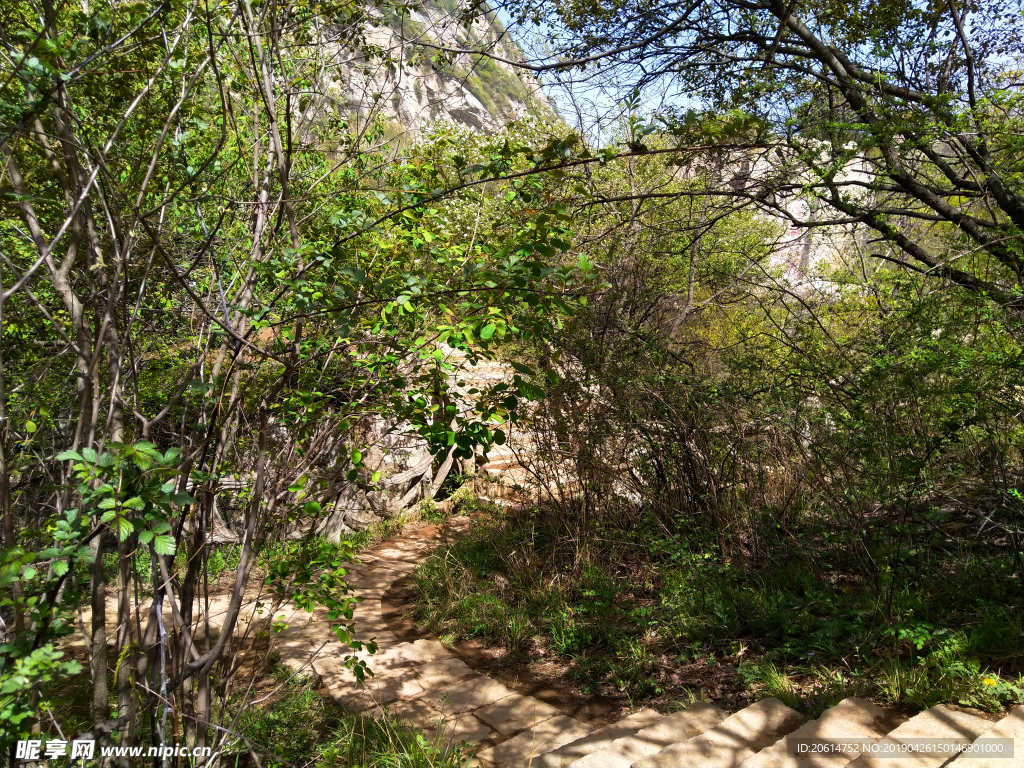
(405, 78)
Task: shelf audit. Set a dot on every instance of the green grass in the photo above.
(613, 601)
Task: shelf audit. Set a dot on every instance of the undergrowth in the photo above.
(628, 609)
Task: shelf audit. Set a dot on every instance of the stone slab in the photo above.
(400, 684)
(416, 713)
(454, 730)
(442, 675)
(1010, 727)
(523, 749)
(621, 753)
(301, 646)
(468, 695)
(647, 742)
(367, 625)
(368, 608)
(851, 718)
(939, 722)
(685, 724)
(385, 641)
(642, 718)
(373, 592)
(732, 741)
(599, 739)
(516, 713)
(406, 655)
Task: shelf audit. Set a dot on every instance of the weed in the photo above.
(631, 670)
(432, 513)
(683, 701)
(596, 601)
(776, 683)
(948, 674)
(518, 630)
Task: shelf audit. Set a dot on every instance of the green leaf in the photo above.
(68, 456)
(145, 537)
(30, 427)
(60, 568)
(488, 331)
(311, 508)
(164, 545)
(124, 528)
(357, 456)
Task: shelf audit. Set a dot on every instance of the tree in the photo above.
(898, 118)
(241, 275)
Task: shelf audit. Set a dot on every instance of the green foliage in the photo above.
(243, 353)
(23, 673)
(131, 489)
(950, 673)
(832, 474)
(503, 574)
(312, 573)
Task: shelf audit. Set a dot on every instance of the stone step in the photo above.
(516, 713)
(433, 723)
(939, 722)
(680, 726)
(731, 741)
(401, 683)
(849, 719)
(1010, 727)
(407, 654)
(512, 474)
(467, 696)
(443, 674)
(599, 739)
(500, 453)
(499, 467)
(523, 748)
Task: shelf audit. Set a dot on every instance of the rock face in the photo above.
(409, 473)
(403, 77)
